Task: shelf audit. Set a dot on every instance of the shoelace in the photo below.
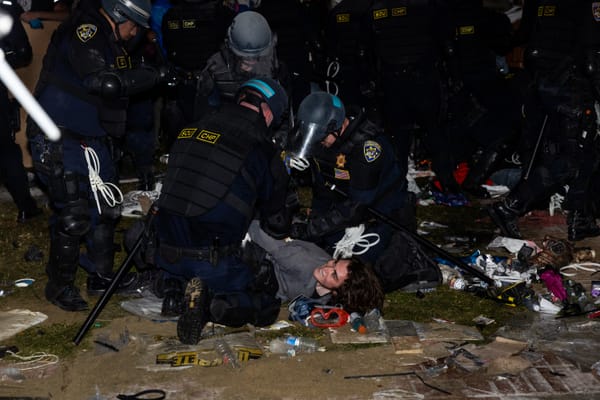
(97, 184)
(354, 238)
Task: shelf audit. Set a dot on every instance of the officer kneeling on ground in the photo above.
(222, 169)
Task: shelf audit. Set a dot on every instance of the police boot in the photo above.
(172, 293)
(101, 252)
(61, 269)
(478, 173)
(581, 226)
(197, 302)
(505, 215)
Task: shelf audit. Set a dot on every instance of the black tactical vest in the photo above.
(554, 35)
(192, 33)
(205, 160)
(345, 36)
(404, 31)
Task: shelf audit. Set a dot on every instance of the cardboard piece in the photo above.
(15, 321)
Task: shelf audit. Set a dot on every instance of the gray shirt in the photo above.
(294, 262)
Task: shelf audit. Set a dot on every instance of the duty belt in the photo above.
(172, 254)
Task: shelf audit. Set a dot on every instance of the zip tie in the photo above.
(333, 68)
(354, 238)
(580, 266)
(97, 184)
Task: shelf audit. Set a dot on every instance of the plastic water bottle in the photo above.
(357, 322)
(371, 319)
(303, 344)
(281, 346)
(228, 355)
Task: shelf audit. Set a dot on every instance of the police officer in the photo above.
(410, 40)
(17, 51)
(348, 57)
(351, 152)
(560, 117)
(485, 113)
(222, 169)
(192, 31)
(84, 86)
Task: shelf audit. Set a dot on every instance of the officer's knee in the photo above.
(74, 218)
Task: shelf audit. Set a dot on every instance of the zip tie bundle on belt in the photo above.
(97, 184)
(354, 237)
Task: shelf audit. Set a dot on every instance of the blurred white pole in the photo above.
(18, 89)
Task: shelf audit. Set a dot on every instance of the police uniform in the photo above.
(408, 39)
(561, 55)
(362, 164)
(83, 86)
(18, 53)
(221, 170)
(191, 32)
(485, 113)
(348, 58)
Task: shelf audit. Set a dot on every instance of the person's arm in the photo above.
(15, 45)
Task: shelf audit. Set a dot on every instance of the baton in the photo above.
(114, 284)
(536, 148)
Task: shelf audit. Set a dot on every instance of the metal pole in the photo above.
(536, 148)
(123, 269)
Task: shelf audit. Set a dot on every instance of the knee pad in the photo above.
(74, 219)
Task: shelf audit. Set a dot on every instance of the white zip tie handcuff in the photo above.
(354, 238)
(97, 184)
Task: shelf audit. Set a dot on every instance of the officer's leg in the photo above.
(70, 224)
(11, 165)
(101, 250)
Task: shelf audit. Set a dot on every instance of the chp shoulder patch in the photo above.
(86, 31)
(371, 150)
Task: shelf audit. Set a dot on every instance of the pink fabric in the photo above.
(554, 283)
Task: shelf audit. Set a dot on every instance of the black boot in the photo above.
(101, 252)
(172, 294)
(505, 215)
(61, 269)
(196, 315)
(478, 173)
(581, 226)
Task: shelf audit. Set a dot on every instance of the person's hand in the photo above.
(27, 16)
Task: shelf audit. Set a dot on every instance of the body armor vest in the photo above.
(554, 35)
(344, 36)
(471, 41)
(205, 160)
(191, 33)
(404, 31)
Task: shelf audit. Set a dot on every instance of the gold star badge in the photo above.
(340, 160)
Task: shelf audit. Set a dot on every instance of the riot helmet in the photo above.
(271, 92)
(249, 34)
(319, 114)
(252, 44)
(137, 11)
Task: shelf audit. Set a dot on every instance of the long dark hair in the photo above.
(361, 291)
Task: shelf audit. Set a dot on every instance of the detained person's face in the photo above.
(332, 274)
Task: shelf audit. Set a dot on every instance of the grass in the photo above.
(443, 303)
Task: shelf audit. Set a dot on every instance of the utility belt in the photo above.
(212, 254)
(570, 146)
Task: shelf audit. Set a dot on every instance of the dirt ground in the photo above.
(95, 372)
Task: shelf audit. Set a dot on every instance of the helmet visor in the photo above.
(307, 138)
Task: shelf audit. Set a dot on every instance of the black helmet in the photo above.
(120, 11)
(319, 114)
(271, 92)
(249, 35)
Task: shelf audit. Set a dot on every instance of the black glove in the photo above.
(299, 230)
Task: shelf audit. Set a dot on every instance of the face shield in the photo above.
(250, 65)
(307, 138)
